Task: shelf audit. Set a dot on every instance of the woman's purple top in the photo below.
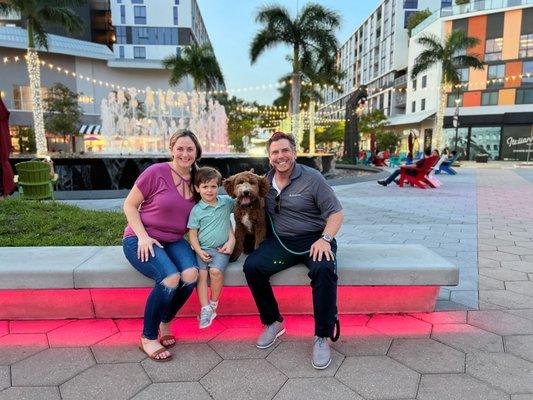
(164, 212)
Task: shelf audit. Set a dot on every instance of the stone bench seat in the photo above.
(85, 282)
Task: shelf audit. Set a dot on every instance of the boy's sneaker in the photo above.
(270, 334)
(207, 315)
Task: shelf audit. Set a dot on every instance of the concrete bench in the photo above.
(88, 282)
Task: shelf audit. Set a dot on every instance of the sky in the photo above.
(231, 26)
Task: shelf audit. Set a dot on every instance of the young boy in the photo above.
(212, 238)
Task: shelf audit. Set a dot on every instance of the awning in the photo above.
(90, 129)
(411, 118)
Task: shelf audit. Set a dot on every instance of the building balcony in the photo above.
(401, 81)
(400, 100)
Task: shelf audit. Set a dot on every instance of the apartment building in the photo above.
(494, 104)
(121, 46)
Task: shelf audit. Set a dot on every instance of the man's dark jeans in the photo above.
(271, 258)
(396, 174)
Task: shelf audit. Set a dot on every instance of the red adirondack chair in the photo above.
(420, 178)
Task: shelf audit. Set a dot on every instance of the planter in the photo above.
(482, 158)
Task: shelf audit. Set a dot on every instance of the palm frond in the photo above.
(39, 34)
(62, 16)
(316, 16)
(262, 41)
(430, 41)
(424, 61)
(468, 61)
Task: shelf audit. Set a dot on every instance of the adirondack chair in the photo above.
(34, 180)
(431, 179)
(446, 166)
(419, 179)
(394, 161)
(378, 162)
(368, 158)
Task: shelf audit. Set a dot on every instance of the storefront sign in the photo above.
(517, 143)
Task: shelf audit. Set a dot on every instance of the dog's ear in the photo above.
(264, 186)
(229, 186)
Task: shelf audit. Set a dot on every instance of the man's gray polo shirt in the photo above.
(305, 203)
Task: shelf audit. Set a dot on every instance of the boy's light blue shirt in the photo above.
(213, 222)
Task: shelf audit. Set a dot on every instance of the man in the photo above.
(306, 216)
(410, 169)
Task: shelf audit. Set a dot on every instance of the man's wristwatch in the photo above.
(327, 238)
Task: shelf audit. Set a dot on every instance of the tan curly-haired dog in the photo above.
(250, 191)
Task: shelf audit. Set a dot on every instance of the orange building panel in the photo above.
(477, 78)
(471, 99)
(506, 97)
(511, 34)
(477, 27)
(447, 28)
(513, 69)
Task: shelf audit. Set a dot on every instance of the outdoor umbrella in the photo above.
(410, 144)
(5, 148)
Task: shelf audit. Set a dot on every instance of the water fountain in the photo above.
(135, 125)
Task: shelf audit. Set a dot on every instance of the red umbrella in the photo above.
(410, 144)
(5, 148)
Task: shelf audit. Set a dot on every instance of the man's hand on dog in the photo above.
(321, 248)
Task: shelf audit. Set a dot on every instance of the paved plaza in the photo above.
(478, 345)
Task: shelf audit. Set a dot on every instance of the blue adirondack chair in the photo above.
(446, 166)
(368, 158)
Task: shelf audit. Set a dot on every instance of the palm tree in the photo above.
(311, 31)
(451, 55)
(38, 15)
(200, 63)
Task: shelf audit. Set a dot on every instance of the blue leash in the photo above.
(337, 329)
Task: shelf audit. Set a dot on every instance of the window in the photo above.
(527, 72)
(406, 18)
(495, 75)
(137, 1)
(446, 3)
(122, 14)
(120, 34)
(139, 52)
(176, 2)
(121, 51)
(139, 13)
(423, 105)
(410, 4)
(489, 99)
(424, 81)
(22, 97)
(175, 15)
(493, 49)
(526, 46)
(464, 74)
(413, 106)
(452, 100)
(524, 96)
(414, 84)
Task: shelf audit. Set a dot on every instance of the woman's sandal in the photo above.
(154, 355)
(165, 338)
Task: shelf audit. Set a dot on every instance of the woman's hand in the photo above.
(145, 248)
(204, 256)
(227, 248)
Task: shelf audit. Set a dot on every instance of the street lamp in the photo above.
(456, 120)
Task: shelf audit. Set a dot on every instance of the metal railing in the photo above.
(401, 81)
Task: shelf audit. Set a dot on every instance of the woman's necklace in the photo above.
(182, 179)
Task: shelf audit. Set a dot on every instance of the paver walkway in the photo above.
(482, 349)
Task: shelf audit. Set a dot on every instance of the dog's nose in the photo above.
(246, 192)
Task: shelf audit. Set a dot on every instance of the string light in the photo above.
(34, 73)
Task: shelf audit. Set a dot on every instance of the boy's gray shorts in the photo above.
(219, 261)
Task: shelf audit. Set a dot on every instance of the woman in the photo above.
(157, 209)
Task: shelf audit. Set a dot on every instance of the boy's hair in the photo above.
(206, 174)
(281, 135)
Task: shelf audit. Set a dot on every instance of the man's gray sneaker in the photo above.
(207, 315)
(270, 334)
(321, 353)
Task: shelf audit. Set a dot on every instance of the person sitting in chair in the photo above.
(411, 171)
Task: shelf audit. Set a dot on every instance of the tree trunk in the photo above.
(34, 74)
(295, 108)
(438, 137)
(312, 127)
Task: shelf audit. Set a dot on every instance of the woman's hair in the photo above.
(206, 174)
(436, 151)
(186, 133)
